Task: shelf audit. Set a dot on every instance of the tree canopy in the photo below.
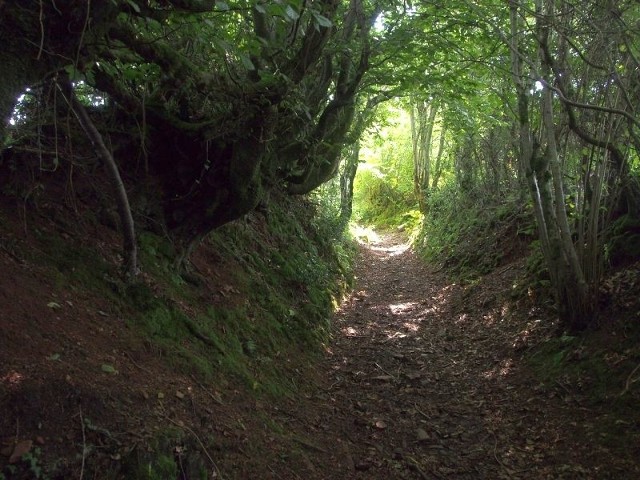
(223, 99)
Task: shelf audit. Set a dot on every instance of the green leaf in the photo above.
(250, 347)
(74, 74)
(55, 356)
(276, 10)
(109, 369)
(321, 20)
(296, 3)
(90, 77)
(224, 45)
(291, 13)
(246, 61)
(134, 5)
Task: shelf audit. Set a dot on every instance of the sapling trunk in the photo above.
(122, 200)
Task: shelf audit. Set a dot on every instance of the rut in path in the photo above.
(423, 381)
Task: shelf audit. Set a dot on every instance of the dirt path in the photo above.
(424, 380)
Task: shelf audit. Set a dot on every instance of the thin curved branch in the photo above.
(122, 199)
(587, 106)
(582, 56)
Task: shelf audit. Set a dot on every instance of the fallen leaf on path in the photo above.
(363, 466)
(380, 424)
(109, 369)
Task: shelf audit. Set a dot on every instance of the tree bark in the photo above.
(437, 168)
(533, 165)
(422, 126)
(347, 178)
(122, 199)
(350, 169)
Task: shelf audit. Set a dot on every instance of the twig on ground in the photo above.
(564, 387)
(391, 375)
(204, 449)
(504, 269)
(310, 445)
(84, 444)
(495, 455)
(629, 381)
(133, 361)
(213, 397)
(418, 468)
(495, 450)
(415, 405)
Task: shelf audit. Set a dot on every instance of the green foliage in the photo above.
(288, 273)
(164, 466)
(594, 365)
(469, 237)
(171, 454)
(379, 200)
(537, 273)
(30, 466)
(306, 261)
(76, 262)
(624, 240)
(165, 322)
(283, 277)
(383, 188)
(157, 256)
(327, 219)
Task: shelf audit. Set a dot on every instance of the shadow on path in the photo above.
(424, 380)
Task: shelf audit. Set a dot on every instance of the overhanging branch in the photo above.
(587, 106)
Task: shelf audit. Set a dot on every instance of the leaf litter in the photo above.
(434, 385)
